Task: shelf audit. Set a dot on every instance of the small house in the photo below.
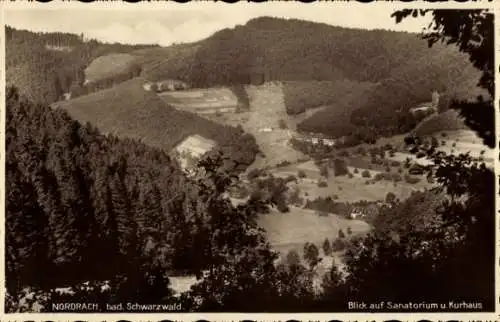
(356, 213)
(329, 142)
(192, 148)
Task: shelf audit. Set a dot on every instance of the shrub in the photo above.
(420, 154)
(366, 174)
(283, 163)
(327, 247)
(444, 134)
(349, 175)
(340, 167)
(322, 213)
(254, 173)
(301, 174)
(323, 170)
(293, 258)
(395, 163)
(397, 177)
(322, 184)
(338, 245)
(387, 169)
(411, 179)
(361, 151)
(356, 170)
(291, 178)
(416, 169)
(344, 153)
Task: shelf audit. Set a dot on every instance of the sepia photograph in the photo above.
(269, 158)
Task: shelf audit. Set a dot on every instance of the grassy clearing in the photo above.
(287, 231)
(402, 156)
(449, 120)
(108, 66)
(345, 188)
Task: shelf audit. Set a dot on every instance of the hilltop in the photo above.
(43, 73)
(365, 80)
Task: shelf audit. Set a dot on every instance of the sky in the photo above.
(194, 21)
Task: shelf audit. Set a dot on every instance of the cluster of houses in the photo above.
(165, 85)
(316, 139)
(370, 210)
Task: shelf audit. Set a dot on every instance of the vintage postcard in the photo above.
(264, 161)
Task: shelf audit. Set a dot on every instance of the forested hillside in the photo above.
(45, 65)
(126, 110)
(76, 198)
(402, 69)
(266, 49)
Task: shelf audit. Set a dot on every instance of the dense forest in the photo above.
(44, 66)
(76, 198)
(389, 72)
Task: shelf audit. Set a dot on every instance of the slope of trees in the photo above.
(129, 111)
(403, 69)
(76, 198)
(43, 74)
(451, 258)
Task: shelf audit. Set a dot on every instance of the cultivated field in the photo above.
(199, 99)
(463, 141)
(402, 156)
(345, 188)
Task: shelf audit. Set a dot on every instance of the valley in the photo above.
(293, 162)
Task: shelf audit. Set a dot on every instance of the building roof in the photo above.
(196, 144)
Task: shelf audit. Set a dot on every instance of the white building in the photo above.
(192, 148)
